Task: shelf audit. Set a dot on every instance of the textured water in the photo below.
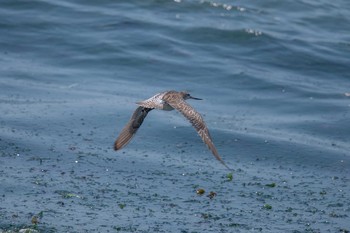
(274, 78)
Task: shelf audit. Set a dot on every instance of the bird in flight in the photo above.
(168, 100)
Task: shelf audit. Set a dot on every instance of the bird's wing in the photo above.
(131, 127)
(197, 122)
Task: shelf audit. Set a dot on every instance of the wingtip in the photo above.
(115, 147)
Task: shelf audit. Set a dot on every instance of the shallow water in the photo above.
(273, 77)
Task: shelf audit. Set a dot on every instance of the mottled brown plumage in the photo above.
(168, 101)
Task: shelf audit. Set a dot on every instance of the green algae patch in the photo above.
(272, 185)
(229, 176)
(267, 207)
(121, 205)
(67, 194)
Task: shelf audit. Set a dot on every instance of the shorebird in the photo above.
(168, 100)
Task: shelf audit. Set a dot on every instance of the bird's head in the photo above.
(187, 95)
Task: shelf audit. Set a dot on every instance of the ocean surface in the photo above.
(274, 77)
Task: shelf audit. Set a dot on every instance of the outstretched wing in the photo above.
(197, 122)
(131, 127)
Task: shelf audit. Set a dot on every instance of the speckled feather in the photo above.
(156, 102)
(172, 98)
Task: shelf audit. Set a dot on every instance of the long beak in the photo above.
(191, 97)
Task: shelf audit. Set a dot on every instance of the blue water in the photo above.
(273, 76)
